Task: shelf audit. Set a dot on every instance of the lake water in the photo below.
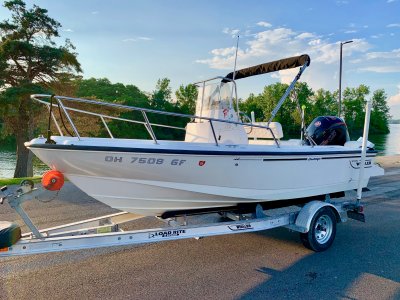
(387, 145)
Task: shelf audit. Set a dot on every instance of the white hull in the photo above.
(141, 177)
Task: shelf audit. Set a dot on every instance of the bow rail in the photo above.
(62, 103)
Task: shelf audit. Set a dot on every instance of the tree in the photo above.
(288, 115)
(270, 98)
(29, 61)
(380, 112)
(186, 97)
(252, 103)
(161, 100)
(354, 107)
(323, 103)
(304, 94)
(103, 90)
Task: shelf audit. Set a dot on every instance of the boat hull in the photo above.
(160, 180)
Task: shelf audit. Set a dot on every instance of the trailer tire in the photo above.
(322, 230)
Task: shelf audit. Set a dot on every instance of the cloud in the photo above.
(223, 51)
(68, 30)
(394, 100)
(137, 39)
(264, 24)
(393, 25)
(305, 35)
(350, 31)
(394, 54)
(390, 1)
(315, 42)
(94, 12)
(381, 62)
(231, 32)
(276, 43)
(382, 69)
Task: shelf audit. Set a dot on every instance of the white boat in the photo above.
(223, 163)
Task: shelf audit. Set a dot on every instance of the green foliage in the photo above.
(323, 103)
(252, 103)
(29, 61)
(162, 95)
(354, 100)
(103, 89)
(319, 103)
(288, 115)
(380, 112)
(186, 97)
(160, 99)
(17, 181)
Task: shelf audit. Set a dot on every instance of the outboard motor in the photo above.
(328, 130)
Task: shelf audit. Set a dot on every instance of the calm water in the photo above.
(7, 163)
(387, 145)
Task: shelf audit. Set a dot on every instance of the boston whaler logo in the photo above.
(244, 226)
(355, 163)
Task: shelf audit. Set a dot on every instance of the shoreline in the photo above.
(389, 161)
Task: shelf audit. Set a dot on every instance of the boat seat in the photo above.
(262, 133)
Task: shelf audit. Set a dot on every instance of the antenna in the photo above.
(234, 67)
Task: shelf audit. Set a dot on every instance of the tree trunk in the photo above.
(24, 159)
(24, 166)
(23, 133)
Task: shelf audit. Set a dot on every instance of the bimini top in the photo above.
(273, 66)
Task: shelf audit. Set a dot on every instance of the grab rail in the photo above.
(146, 123)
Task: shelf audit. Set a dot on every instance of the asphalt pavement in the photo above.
(363, 262)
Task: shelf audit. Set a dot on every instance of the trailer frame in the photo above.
(105, 231)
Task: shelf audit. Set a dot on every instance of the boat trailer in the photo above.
(315, 221)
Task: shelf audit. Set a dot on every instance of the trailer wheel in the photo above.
(322, 230)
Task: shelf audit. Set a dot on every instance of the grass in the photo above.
(11, 181)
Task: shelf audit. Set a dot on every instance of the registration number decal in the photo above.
(145, 160)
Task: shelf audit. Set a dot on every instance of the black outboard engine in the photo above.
(328, 130)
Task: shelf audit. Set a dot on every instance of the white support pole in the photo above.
(303, 109)
(364, 148)
(253, 120)
(253, 117)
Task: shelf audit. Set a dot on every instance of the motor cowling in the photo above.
(328, 130)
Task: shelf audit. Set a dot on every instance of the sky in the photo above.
(137, 42)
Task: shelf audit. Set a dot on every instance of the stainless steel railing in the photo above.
(62, 100)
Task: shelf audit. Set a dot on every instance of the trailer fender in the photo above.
(306, 214)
